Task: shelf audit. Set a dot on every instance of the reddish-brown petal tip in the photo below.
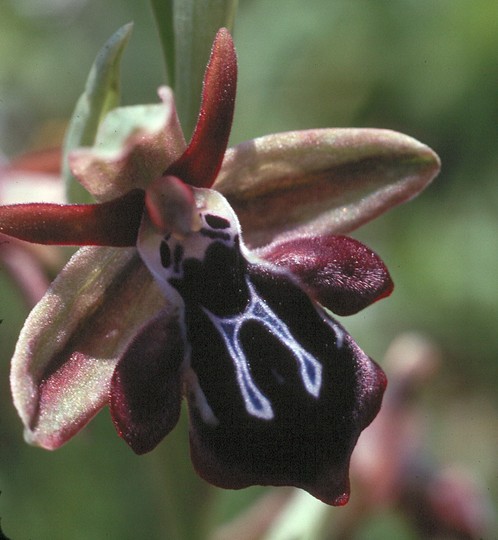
(113, 223)
(339, 272)
(145, 394)
(201, 161)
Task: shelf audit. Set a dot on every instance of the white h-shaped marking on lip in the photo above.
(229, 328)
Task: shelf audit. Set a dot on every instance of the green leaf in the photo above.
(195, 24)
(101, 94)
(163, 14)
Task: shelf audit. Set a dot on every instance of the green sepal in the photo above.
(321, 181)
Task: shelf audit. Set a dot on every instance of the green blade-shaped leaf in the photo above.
(322, 181)
(195, 26)
(101, 94)
(163, 14)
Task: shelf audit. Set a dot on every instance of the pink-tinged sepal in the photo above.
(314, 182)
(145, 395)
(339, 272)
(72, 340)
(200, 163)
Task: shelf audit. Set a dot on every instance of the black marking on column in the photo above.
(165, 253)
(214, 234)
(177, 257)
(217, 222)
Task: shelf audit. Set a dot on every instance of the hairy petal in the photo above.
(278, 392)
(201, 161)
(341, 273)
(321, 181)
(309, 442)
(71, 342)
(134, 145)
(145, 397)
(113, 223)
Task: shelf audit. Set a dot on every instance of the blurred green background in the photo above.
(424, 67)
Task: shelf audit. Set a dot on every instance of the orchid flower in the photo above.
(209, 274)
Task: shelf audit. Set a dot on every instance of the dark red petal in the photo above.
(341, 273)
(201, 161)
(145, 396)
(113, 223)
